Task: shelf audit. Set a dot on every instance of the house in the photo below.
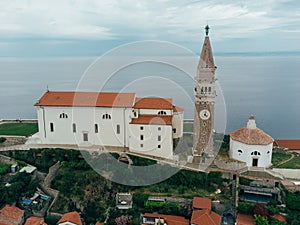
(70, 218)
(143, 125)
(11, 215)
(243, 219)
(35, 221)
(156, 219)
(123, 200)
(293, 145)
(201, 203)
(202, 213)
(251, 145)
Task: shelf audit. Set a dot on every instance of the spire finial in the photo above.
(207, 29)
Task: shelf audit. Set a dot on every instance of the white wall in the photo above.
(85, 119)
(154, 111)
(150, 140)
(264, 159)
(177, 123)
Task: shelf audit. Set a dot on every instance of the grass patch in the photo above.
(4, 168)
(278, 157)
(292, 164)
(188, 127)
(18, 129)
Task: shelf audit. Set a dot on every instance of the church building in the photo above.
(142, 125)
(251, 145)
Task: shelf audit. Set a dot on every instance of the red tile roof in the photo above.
(153, 119)
(243, 219)
(169, 219)
(72, 217)
(99, 99)
(290, 144)
(35, 221)
(11, 215)
(251, 136)
(205, 217)
(98, 223)
(201, 203)
(153, 103)
(280, 217)
(178, 109)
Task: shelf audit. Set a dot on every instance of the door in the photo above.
(254, 162)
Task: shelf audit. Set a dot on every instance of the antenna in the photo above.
(47, 88)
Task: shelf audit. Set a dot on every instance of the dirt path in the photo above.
(285, 161)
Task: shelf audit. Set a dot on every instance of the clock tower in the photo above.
(205, 94)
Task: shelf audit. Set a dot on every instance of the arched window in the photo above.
(63, 116)
(255, 153)
(162, 112)
(106, 116)
(240, 151)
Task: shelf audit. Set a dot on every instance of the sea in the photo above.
(266, 86)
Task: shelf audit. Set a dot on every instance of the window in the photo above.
(63, 116)
(96, 128)
(142, 137)
(162, 112)
(174, 130)
(240, 151)
(51, 127)
(106, 116)
(158, 146)
(141, 128)
(142, 145)
(255, 153)
(159, 138)
(85, 137)
(205, 89)
(159, 128)
(74, 127)
(134, 114)
(209, 89)
(118, 129)
(268, 152)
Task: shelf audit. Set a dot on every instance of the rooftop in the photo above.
(11, 215)
(35, 221)
(95, 99)
(169, 219)
(72, 217)
(152, 119)
(243, 219)
(290, 144)
(251, 135)
(205, 217)
(201, 203)
(153, 103)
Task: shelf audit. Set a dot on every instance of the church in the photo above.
(142, 125)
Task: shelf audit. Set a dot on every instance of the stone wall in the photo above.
(288, 173)
(7, 160)
(229, 165)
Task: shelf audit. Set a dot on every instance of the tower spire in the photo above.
(207, 29)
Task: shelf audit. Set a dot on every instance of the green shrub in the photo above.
(245, 208)
(2, 139)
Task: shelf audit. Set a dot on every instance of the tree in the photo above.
(245, 208)
(260, 209)
(260, 220)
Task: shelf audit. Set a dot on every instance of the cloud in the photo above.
(137, 20)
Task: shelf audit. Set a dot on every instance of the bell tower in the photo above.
(205, 94)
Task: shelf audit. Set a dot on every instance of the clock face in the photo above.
(204, 114)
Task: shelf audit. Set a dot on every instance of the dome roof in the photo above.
(251, 135)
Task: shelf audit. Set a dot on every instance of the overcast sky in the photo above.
(91, 27)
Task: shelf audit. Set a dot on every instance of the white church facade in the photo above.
(143, 125)
(251, 145)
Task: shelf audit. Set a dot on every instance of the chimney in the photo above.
(251, 123)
